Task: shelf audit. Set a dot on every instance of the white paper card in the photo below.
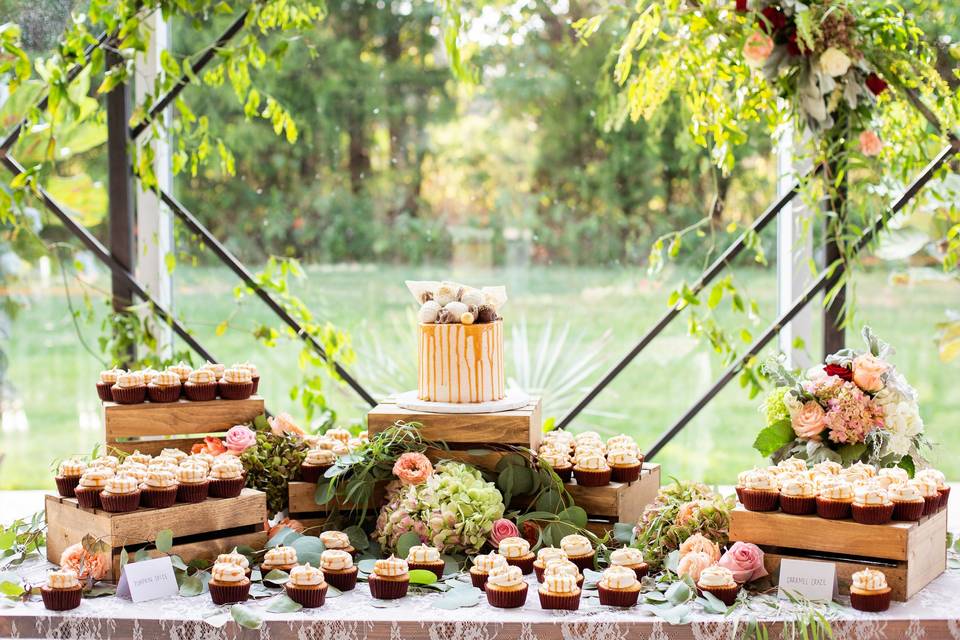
(148, 580)
(813, 580)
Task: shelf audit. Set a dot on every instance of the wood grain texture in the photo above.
(619, 501)
(204, 550)
(301, 495)
(153, 447)
(889, 541)
(895, 572)
(177, 418)
(520, 427)
(459, 453)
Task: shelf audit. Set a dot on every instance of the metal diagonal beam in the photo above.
(103, 254)
(197, 66)
(706, 277)
(808, 295)
(12, 137)
(237, 267)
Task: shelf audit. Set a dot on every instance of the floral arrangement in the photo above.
(681, 511)
(452, 508)
(271, 451)
(743, 559)
(854, 407)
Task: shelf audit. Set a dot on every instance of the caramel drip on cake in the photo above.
(460, 363)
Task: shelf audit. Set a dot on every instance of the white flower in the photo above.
(834, 62)
(901, 417)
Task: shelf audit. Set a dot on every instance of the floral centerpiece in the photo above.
(452, 508)
(854, 407)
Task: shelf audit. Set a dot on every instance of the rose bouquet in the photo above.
(854, 407)
(452, 508)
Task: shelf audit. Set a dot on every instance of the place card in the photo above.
(813, 580)
(148, 580)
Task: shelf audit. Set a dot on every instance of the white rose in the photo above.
(834, 62)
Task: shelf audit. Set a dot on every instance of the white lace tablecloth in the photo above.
(932, 614)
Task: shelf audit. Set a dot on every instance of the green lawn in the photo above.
(54, 408)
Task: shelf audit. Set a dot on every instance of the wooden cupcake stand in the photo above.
(201, 530)
(469, 437)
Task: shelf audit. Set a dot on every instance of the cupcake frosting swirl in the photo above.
(549, 554)
(828, 467)
(626, 556)
(390, 567)
(201, 376)
(234, 558)
(130, 379)
(487, 562)
(166, 379)
(111, 462)
(926, 487)
(797, 486)
(335, 539)
(423, 553)
(160, 479)
(716, 576)
(191, 474)
(280, 555)
(121, 484)
(904, 492)
(933, 474)
(182, 369)
(622, 456)
(618, 577)
(836, 489)
(72, 468)
(225, 471)
(505, 576)
(513, 547)
(557, 567)
(249, 366)
(556, 459)
(559, 583)
(593, 460)
(335, 560)
(237, 375)
(760, 480)
(621, 441)
(306, 576)
(216, 367)
(177, 455)
(227, 572)
(139, 458)
(63, 579)
(318, 457)
(576, 545)
(870, 494)
(110, 376)
(869, 580)
(793, 464)
(96, 477)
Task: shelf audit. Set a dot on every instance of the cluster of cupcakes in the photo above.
(212, 380)
(586, 457)
(451, 303)
(861, 491)
(325, 450)
(141, 480)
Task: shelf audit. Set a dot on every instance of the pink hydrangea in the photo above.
(851, 415)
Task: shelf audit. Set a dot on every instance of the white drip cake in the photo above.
(460, 346)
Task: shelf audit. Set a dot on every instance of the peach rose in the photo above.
(693, 564)
(757, 49)
(283, 423)
(698, 543)
(686, 512)
(84, 563)
(412, 468)
(868, 372)
(870, 143)
(287, 523)
(211, 445)
(808, 420)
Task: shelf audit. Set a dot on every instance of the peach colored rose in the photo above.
(745, 560)
(687, 511)
(870, 143)
(283, 423)
(288, 523)
(693, 564)
(698, 543)
(86, 564)
(808, 420)
(868, 372)
(412, 468)
(757, 49)
(212, 446)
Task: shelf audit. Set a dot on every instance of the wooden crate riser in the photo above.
(911, 554)
(521, 427)
(461, 453)
(303, 501)
(150, 427)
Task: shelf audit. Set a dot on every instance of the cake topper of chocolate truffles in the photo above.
(453, 303)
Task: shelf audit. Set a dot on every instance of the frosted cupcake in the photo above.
(192, 483)
(201, 386)
(827, 468)
(182, 370)
(338, 569)
(928, 489)
(798, 496)
(506, 588)
(871, 505)
(120, 494)
(544, 556)
(165, 387)
(559, 461)
(254, 374)
(235, 558)
(336, 540)
(630, 558)
(793, 465)
(591, 469)
(236, 384)
(890, 476)
(158, 489)
(69, 476)
(280, 558)
(226, 479)
(390, 579)
(760, 491)
(579, 550)
(618, 587)
(559, 592)
(834, 499)
(130, 388)
(940, 480)
(719, 581)
(63, 590)
(563, 567)
(91, 483)
(425, 557)
(908, 504)
(316, 463)
(105, 384)
(869, 591)
(624, 464)
(228, 583)
(517, 553)
(139, 458)
(483, 564)
(135, 469)
(307, 586)
(217, 368)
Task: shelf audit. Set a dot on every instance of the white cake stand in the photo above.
(513, 400)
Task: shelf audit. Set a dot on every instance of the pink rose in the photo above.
(757, 49)
(239, 438)
(698, 543)
(693, 564)
(503, 528)
(870, 143)
(413, 468)
(808, 421)
(745, 560)
(868, 372)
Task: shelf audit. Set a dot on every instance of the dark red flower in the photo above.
(774, 20)
(841, 372)
(530, 532)
(795, 46)
(876, 84)
(741, 6)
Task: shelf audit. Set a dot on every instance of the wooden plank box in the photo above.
(462, 431)
(304, 507)
(150, 427)
(201, 530)
(910, 554)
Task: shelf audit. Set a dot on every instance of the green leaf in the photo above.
(549, 501)
(278, 577)
(124, 558)
(283, 604)
(164, 541)
(141, 555)
(245, 617)
(851, 452)
(678, 593)
(623, 533)
(178, 563)
(906, 463)
(459, 597)
(7, 538)
(537, 515)
(712, 603)
(405, 542)
(772, 438)
(191, 586)
(366, 565)
(11, 589)
(308, 550)
(99, 592)
(422, 576)
(358, 538)
(285, 537)
(574, 515)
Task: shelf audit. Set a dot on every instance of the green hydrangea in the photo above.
(774, 408)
